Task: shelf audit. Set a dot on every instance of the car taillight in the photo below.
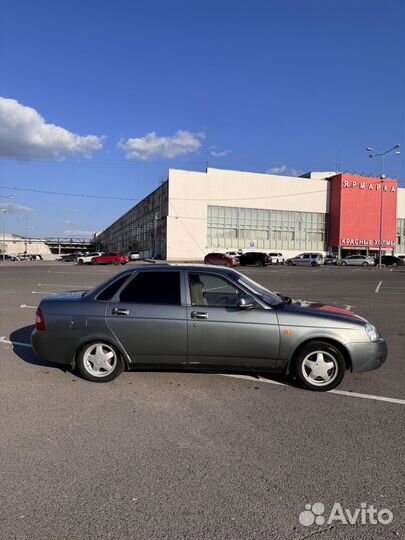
(40, 320)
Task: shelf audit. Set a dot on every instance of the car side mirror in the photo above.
(247, 302)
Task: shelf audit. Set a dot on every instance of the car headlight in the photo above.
(372, 332)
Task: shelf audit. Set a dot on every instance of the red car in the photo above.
(110, 258)
(221, 258)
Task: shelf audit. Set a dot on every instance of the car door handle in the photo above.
(199, 315)
(120, 311)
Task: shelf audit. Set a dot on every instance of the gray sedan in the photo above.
(357, 260)
(208, 317)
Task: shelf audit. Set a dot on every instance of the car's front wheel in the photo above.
(343, 263)
(289, 263)
(99, 362)
(365, 263)
(319, 366)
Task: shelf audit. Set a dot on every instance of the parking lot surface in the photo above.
(176, 455)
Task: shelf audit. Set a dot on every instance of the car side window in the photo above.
(110, 291)
(210, 290)
(153, 288)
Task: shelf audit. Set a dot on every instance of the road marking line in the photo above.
(368, 396)
(29, 307)
(44, 293)
(18, 343)
(338, 392)
(348, 307)
(377, 289)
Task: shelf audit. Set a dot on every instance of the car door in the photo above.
(303, 260)
(222, 334)
(149, 318)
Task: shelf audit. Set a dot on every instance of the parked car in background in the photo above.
(133, 255)
(86, 259)
(306, 259)
(216, 319)
(221, 258)
(390, 260)
(276, 257)
(112, 257)
(357, 260)
(255, 258)
(235, 254)
(331, 259)
(71, 257)
(10, 258)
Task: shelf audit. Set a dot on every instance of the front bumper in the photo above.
(367, 356)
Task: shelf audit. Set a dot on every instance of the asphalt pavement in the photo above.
(180, 455)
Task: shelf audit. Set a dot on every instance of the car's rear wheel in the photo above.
(99, 362)
(365, 263)
(319, 366)
(80, 261)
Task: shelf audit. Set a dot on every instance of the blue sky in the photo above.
(137, 87)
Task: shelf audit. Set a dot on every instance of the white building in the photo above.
(193, 213)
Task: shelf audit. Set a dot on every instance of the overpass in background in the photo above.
(63, 246)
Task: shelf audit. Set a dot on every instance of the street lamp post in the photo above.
(4, 211)
(372, 154)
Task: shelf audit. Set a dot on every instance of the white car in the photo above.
(86, 259)
(234, 254)
(276, 258)
(133, 255)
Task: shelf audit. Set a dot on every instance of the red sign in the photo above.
(356, 207)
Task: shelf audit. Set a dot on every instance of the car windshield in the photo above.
(264, 294)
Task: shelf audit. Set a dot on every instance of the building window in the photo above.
(230, 227)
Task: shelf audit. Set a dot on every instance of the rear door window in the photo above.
(153, 288)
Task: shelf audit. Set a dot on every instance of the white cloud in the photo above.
(284, 171)
(24, 134)
(151, 146)
(87, 234)
(15, 208)
(68, 222)
(218, 153)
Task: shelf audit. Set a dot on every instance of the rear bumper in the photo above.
(57, 349)
(367, 356)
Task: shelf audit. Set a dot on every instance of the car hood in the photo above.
(322, 313)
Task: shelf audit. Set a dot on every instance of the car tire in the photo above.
(80, 261)
(289, 263)
(320, 377)
(99, 361)
(259, 263)
(228, 264)
(365, 263)
(313, 264)
(394, 264)
(343, 263)
(116, 263)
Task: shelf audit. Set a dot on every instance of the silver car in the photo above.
(306, 259)
(214, 318)
(358, 260)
